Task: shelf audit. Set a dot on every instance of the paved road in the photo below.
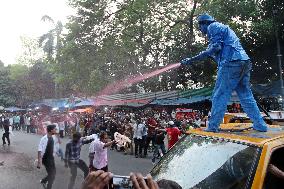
(19, 171)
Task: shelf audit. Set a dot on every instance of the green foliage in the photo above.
(18, 71)
(7, 94)
(255, 24)
(39, 82)
(30, 51)
(262, 41)
(21, 85)
(110, 40)
(134, 37)
(51, 41)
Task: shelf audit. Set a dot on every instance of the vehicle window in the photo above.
(198, 162)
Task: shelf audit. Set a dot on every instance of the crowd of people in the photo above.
(140, 128)
(110, 121)
(145, 131)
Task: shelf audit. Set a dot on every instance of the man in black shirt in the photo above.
(160, 148)
(6, 132)
(46, 156)
(112, 129)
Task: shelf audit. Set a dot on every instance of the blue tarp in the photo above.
(54, 103)
(179, 101)
(41, 104)
(14, 109)
(194, 99)
(84, 103)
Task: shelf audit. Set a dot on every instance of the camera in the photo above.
(121, 182)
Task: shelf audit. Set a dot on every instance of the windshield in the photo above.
(199, 162)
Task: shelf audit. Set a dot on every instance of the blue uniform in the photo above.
(233, 75)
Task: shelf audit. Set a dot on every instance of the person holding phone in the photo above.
(100, 179)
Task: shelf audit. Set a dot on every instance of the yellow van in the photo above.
(235, 158)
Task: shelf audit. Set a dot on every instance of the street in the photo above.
(20, 172)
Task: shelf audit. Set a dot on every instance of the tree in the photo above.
(50, 41)
(1, 64)
(7, 94)
(109, 40)
(51, 44)
(30, 51)
(263, 43)
(132, 38)
(40, 82)
(18, 80)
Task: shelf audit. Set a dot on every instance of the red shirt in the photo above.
(153, 123)
(173, 134)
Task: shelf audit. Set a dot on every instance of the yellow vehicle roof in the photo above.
(243, 132)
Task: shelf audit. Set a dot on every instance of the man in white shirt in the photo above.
(28, 123)
(92, 149)
(11, 121)
(17, 122)
(100, 161)
(139, 133)
(46, 150)
(58, 150)
(61, 126)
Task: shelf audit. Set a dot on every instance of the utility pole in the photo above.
(279, 57)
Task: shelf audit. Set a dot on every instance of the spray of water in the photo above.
(117, 86)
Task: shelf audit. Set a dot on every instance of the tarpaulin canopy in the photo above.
(204, 92)
(132, 102)
(178, 101)
(199, 95)
(140, 99)
(187, 97)
(85, 103)
(134, 105)
(192, 96)
(40, 104)
(14, 109)
(54, 103)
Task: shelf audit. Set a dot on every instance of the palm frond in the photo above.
(47, 18)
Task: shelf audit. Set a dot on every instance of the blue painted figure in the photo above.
(233, 72)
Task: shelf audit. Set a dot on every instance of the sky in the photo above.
(23, 18)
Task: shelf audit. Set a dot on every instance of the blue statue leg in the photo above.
(221, 95)
(248, 102)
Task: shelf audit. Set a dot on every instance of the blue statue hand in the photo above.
(186, 61)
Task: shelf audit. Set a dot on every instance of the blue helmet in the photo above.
(205, 17)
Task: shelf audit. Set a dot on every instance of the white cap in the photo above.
(171, 123)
